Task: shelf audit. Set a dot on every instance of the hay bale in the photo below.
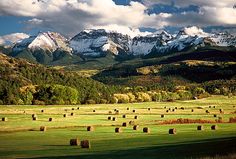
(42, 111)
(200, 127)
(74, 142)
(124, 124)
(214, 127)
(85, 144)
(207, 111)
(34, 118)
(162, 115)
(50, 119)
(215, 115)
(131, 122)
(118, 130)
(73, 109)
(221, 111)
(182, 108)
(114, 119)
(4, 119)
(72, 114)
(192, 110)
(209, 106)
(90, 128)
(135, 127)
(94, 110)
(134, 111)
(64, 115)
(146, 130)
(135, 117)
(176, 107)
(127, 108)
(34, 115)
(110, 112)
(124, 116)
(214, 106)
(172, 131)
(43, 128)
(115, 110)
(173, 110)
(78, 108)
(167, 111)
(109, 118)
(149, 109)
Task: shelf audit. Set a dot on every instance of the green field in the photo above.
(20, 136)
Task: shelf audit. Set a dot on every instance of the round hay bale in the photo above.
(85, 144)
(214, 106)
(182, 108)
(34, 115)
(172, 131)
(149, 109)
(162, 115)
(207, 111)
(134, 111)
(110, 112)
(192, 110)
(215, 115)
(74, 142)
(135, 117)
(209, 106)
(173, 110)
(90, 128)
(43, 128)
(146, 130)
(50, 119)
(167, 111)
(124, 124)
(118, 130)
(42, 111)
(124, 116)
(221, 111)
(72, 114)
(77, 108)
(200, 127)
(34, 118)
(109, 118)
(164, 107)
(4, 119)
(135, 127)
(176, 107)
(114, 119)
(64, 115)
(94, 110)
(131, 122)
(73, 109)
(115, 110)
(127, 108)
(214, 127)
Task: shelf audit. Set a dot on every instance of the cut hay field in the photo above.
(20, 135)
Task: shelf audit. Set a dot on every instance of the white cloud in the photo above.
(192, 31)
(12, 38)
(71, 16)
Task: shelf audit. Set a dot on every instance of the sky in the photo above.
(69, 17)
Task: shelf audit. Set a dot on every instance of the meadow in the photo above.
(20, 135)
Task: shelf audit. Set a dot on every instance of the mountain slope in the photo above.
(44, 48)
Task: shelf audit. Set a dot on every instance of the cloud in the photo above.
(12, 38)
(71, 16)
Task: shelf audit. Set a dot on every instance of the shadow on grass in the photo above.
(190, 150)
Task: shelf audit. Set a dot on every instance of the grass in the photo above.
(20, 136)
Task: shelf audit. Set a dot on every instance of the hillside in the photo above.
(21, 80)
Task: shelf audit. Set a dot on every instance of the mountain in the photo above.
(97, 43)
(93, 46)
(44, 48)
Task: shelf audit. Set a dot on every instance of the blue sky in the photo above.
(71, 16)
